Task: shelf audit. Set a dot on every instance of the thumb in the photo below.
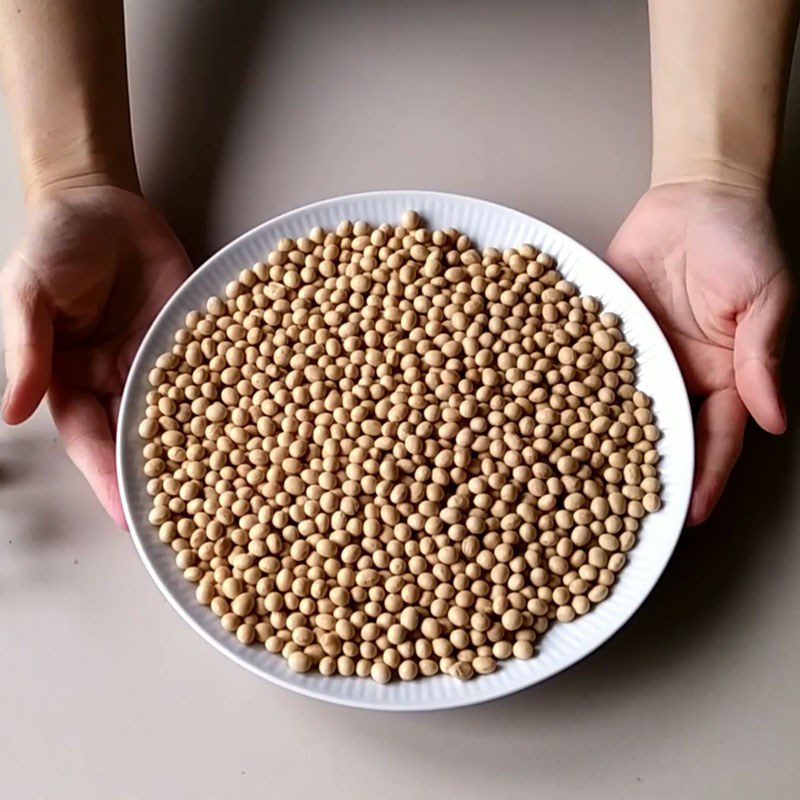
(28, 337)
(757, 350)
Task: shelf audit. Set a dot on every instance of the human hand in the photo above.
(95, 266)
(705, 259)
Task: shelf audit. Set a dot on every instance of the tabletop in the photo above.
(242, 110)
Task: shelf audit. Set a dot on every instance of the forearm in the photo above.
(65, 80)
(719, 73)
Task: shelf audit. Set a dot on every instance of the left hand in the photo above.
(705, 259)
(94, 268)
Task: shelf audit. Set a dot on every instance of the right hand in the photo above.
(705, 258)
(95, 266)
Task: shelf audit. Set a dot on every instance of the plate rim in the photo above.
(127, 416)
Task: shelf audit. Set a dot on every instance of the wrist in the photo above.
(77, 163)
(675, 168)
(714, 142)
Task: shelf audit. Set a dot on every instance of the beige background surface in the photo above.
(243, 109)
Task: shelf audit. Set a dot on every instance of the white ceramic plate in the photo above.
(488, 225)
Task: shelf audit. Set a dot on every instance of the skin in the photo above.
(78, 294)
(97, 262)
(700, 246)
(706, 261)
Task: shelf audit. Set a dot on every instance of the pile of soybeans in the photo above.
(386, 453)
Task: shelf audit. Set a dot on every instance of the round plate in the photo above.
(488, 225)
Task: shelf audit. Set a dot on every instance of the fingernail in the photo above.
(698, 507)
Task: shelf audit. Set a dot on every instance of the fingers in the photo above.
(112, 407)
(757, 354)
(28, 338)
(720, 433)
(83, 425)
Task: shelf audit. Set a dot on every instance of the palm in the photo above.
(707, 263)
(104, 263)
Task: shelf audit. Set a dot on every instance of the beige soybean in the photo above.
(383, 452)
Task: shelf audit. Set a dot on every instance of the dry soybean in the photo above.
(384, 452)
